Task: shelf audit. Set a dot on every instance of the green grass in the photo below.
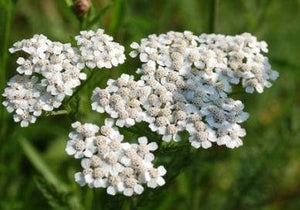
(35, 172)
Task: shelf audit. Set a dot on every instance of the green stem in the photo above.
(7, 20)
(213, 16)
(116, 16)
(58, 112)
(6, 32)
(171, 149)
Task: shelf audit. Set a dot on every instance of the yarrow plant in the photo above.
(185, 84)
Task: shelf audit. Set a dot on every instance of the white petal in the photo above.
(24, 123)
(143, 57)
(249, 89)
(111, 190)
(120, 186)
(160, 181)
(20, 60)
(126, 161)
(162, 130)
(143, 140)
(176, 138)
(152, 146)
(146, 176)
(162, 171)
(120, 123)
(259, 88)
(98, 183)
(138, 189)
(134, 45)
(88, 178)
(19, 111)
(78, 155)
(152, 183)
(88, 153)
(223, 140)
(133, 54)
(85, 163)
(128, 192)
(149, 157)
(153, 127)
(70, 150)
(167, 138)
(109, 122)
(130, 122)
(195, 144)
(79, 178)
(99, 109)
(190, 128)
(206, 144)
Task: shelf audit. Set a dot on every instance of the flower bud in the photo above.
(81, 7)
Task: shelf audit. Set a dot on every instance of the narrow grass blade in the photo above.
(40, 165)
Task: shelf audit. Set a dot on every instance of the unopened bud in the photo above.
(81, 7)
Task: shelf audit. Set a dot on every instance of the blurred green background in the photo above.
(35, 172)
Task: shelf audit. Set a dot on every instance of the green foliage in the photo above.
(37, 161)
(35, 172)
(54, 198)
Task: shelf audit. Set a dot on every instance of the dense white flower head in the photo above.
(236, 59)
(243, 59)
(109, 163)
(186, 81)
(98, 49)
(121, 99)
(48, 72)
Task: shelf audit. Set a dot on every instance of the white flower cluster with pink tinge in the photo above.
(109, 163)
(49, 71)
(185, 84)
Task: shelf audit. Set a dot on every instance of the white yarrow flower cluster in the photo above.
(243, 60)
(98, 49)
(109, 163)
(185, 85)
(49, 72)
(186, 81)
(121, 100)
